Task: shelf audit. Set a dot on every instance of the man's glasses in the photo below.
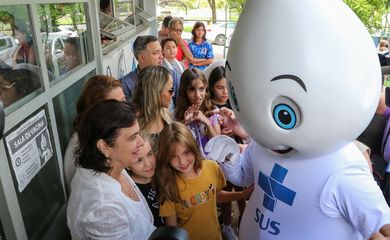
(178, 30)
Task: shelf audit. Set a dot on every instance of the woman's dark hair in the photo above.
(101, 121)
(25, 80)
(216, 74)
(166, 21)
(196, 26)
(104, 4)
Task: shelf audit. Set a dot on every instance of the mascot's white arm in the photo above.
(238, 168)
(352, 194)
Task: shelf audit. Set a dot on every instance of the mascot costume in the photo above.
(304, 81)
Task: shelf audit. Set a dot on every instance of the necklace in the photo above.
(128, 189)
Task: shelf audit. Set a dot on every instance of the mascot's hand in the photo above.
(222, 148)
(384, 233)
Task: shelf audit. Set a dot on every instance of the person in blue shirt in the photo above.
(147, 50)
(200, 47)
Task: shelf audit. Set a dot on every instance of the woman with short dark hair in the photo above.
(105, 203)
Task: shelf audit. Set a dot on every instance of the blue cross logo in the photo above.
(273, 188)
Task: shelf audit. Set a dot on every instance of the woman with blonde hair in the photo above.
(152, 97)
(98, 88)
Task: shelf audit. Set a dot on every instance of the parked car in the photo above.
(8, 46)
(220, 32)
(54, 44)
(67, 30)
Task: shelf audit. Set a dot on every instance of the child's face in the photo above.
(196, 92)
(183, 161)
(220, 91)
(170, 50)
(199, 32)
(143, 167)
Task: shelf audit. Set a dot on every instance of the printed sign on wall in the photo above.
(29, 148)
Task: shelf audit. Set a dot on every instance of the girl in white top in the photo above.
(105, 203)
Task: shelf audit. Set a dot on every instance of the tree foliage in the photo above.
(236, 5)
(370, 12)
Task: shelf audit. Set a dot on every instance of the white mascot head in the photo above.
(304, 76)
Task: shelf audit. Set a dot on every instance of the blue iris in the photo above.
(284, 116)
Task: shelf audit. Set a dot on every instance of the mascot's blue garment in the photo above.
(303, 91)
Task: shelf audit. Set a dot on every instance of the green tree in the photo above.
(236, 5)
(370, 12)
(213, 7)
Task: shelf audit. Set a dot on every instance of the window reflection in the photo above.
(72, 54)
(17, 83)
(19, 65)
(66, 36)
(124, 10)
(25, 53)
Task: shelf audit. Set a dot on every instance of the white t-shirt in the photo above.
(69, 160)
(331, 197)
(97, 209)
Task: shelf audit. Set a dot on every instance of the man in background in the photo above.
(164, 31)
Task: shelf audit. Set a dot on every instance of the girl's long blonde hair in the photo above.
(165, 177)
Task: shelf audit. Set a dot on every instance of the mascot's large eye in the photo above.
(284, 116)
(286, 113)
(233, 96)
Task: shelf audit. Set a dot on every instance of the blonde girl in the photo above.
(189, 186)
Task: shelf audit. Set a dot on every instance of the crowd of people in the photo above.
(136, 160)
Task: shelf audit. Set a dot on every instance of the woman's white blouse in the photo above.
(97, 209)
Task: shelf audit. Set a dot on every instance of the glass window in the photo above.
(65, 110)
(124, 10)
(66, 37)
(20, 74)
(143, 16)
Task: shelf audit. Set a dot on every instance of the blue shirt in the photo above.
(203, 50)
(128, 83)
